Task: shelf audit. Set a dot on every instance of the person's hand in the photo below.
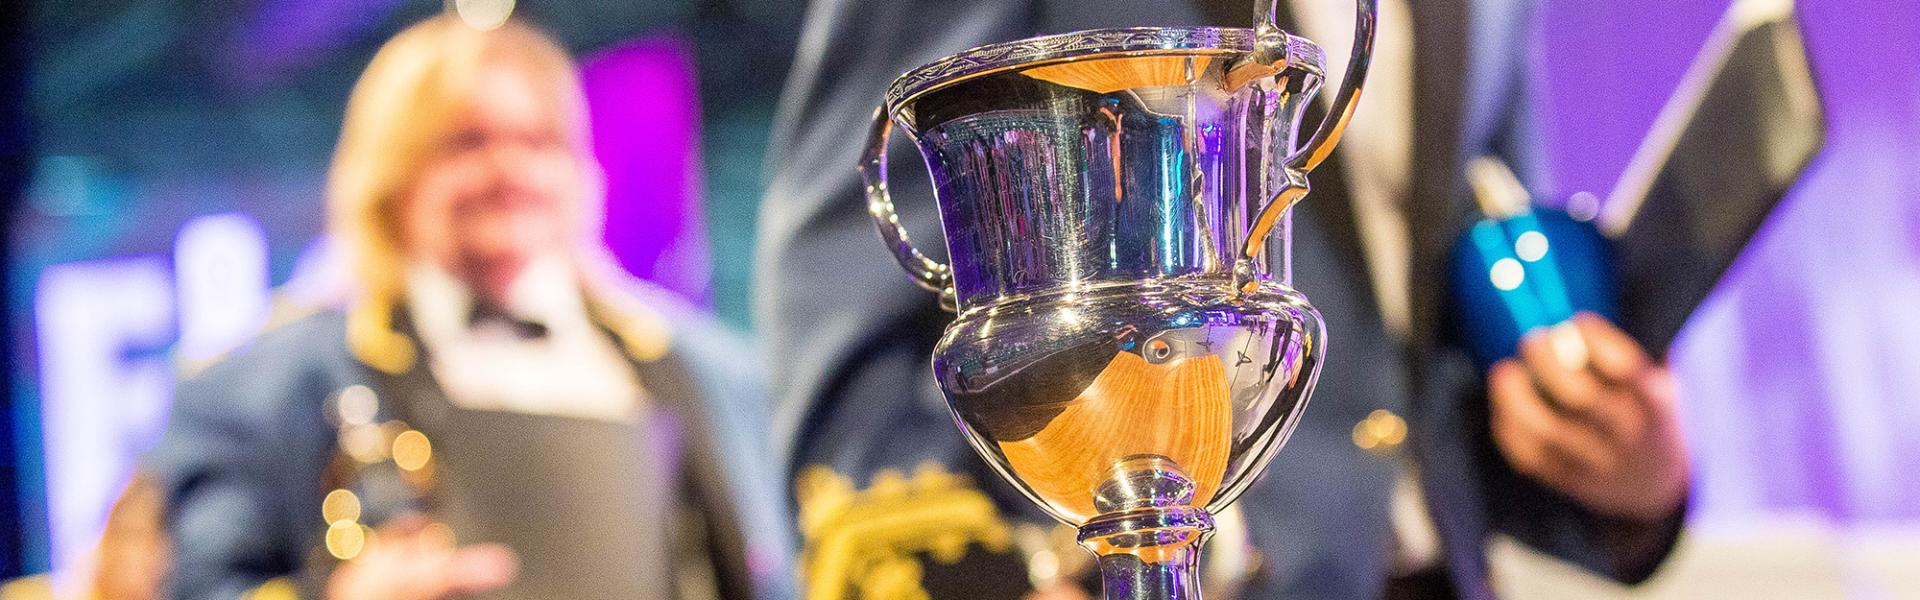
(1600, 428)
(410, 559)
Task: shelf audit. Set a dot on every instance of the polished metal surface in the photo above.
(1269, 39)
(1133, 396)
(1122, 354)
(1079, 45)
(1128, 162)
(1183, 124)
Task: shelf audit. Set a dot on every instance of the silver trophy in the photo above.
(1124, 352)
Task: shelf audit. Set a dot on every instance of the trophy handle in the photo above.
(1320, 146)
(926, 272)
(1268, 38)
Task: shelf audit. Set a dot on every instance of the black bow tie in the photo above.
(488, 312)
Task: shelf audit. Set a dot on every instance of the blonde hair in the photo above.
(403, 106)
(406, 103)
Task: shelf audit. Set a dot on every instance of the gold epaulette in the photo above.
(644, 333)
(372, 339)
(279, 588)
(866, 543)
(33, 587)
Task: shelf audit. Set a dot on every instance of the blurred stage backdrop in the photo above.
(180, 149)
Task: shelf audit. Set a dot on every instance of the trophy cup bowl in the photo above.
(1123, 353)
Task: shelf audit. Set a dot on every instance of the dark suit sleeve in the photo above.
(241, 464)
(849, 337)
(1626, 551)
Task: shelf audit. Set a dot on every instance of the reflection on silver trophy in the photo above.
(1124, 354)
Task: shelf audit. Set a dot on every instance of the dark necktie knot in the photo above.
(488, 312)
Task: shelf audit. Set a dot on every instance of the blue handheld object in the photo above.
(1535, 269)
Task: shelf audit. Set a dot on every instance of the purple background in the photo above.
(645, 108)
(1801, 374)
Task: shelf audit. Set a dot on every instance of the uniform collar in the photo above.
(546, 293)
(383, 331)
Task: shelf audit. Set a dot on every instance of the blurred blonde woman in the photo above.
(569, 432)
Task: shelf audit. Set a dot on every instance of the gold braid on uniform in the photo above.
(279, 588)
(372, 339)
(864, 543)
(644, 333)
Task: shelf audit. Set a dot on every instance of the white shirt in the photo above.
(1377, 149)
(1377, 158)
(575, 370)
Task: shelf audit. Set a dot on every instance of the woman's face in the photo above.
(502, 187)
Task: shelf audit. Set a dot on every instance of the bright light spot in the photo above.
(358, 405)
(1507, 274)
(340, 505)
(484, 15)
(1530, 246)
(1069, 316)
(363, 443)
(411, 450)
(1043, 565)
(1583, 206)
(345, 539)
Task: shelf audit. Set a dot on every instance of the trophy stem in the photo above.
(1149, 554)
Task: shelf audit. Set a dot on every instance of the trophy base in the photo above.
(1149, 553)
